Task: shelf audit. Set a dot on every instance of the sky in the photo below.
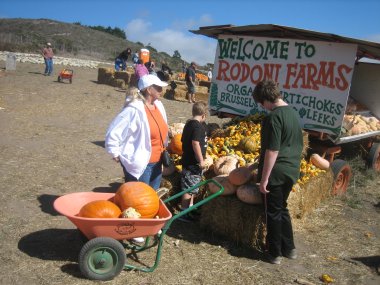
(166, 24)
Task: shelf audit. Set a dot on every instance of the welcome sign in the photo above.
(314, 77)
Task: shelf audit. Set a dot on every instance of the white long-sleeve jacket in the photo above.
(128, 137)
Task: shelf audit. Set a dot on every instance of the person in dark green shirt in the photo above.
(279, 167)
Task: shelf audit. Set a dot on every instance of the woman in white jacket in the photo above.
(139, 133)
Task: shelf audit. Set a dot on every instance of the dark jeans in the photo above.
(151, 176)
(279, 225)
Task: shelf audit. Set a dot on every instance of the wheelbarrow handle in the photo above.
(196, 205)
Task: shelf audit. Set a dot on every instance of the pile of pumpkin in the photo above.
(199, 76)
(232, 154)
(357, 124)
(133, 200)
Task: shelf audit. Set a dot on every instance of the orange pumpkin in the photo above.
(175, 145)
(240, 175)
(139, 196)
(100, 209)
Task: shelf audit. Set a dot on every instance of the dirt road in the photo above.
(51, 143)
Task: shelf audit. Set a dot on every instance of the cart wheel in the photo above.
(373, 159)
(342, 175)
(102, 258)
(59, 79)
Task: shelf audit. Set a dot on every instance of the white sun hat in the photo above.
(149, 80)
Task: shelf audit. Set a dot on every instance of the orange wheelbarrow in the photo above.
(66, 74)
(104, 256)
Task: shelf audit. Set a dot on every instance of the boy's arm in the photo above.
(198, 153)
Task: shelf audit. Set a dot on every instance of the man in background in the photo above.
(48, 54)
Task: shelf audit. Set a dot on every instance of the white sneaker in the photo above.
(138, 239)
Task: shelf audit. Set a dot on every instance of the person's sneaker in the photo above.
(138, 239)
(274, 260)
(292, 254)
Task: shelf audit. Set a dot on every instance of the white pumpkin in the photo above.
(229, 188)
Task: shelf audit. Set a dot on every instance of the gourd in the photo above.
(225, 164)
(240, 175)
(229, 188)
(249, 193)
(209, 162)
(175, 145)
(139, 196)
(249, 144)
(176, 128)
(130, 213)
(100, 209)
(319, 161)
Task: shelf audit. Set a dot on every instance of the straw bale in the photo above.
(123, 75)
(201, 89)
(241, 222)
(308, 197)
(105, 75)
(117, 83)
(244, 223)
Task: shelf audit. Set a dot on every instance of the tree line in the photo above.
(113, 31)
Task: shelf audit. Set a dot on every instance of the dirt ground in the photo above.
(51, 143)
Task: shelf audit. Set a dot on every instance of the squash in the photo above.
(229, 188)
(249, 193)
(240, 175)
(225, 164)
(249, 144)
(130, 213)
(175, 145)
(209, 161)
(319, 161)
(139, 196)
(175, 128)
(100, 209)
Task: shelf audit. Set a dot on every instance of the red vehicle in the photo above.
(66, 74)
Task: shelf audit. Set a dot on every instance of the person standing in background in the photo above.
(121, 59)
(190, 82)
(48, 54)
(140, 69)
(209, 74)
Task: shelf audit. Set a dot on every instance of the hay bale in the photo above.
(105, 75)
(308, 197)
(201, 89)
(122, 75)
(244, 223)
(120, 83)
(229, 217)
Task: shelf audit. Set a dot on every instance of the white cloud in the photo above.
(374, 38)
(191, 47)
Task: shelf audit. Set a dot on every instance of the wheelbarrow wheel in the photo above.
(102, 258)
(342, 175)
(373, 159)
